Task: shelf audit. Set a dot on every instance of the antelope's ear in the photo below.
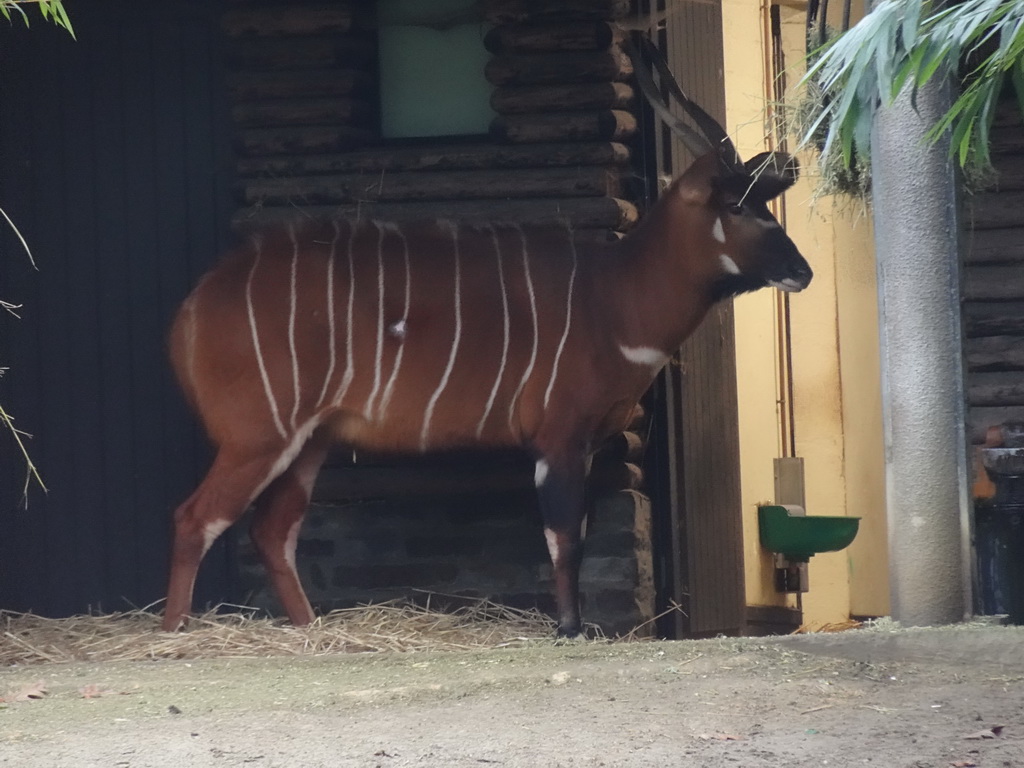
(773, 173)
(697, 185)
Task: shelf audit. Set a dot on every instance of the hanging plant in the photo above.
(905, 43)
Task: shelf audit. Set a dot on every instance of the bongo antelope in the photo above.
(418, 337)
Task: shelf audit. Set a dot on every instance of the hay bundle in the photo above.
(394, 626)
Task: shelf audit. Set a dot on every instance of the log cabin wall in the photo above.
(303, 86)
(994, 285)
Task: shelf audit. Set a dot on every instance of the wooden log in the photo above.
(320, 19)
(991, 246)
(337, 111)
(1010, 172)
(551, 37)
(994, 318)
(293, 140)
(312, 53)
(980, 418)
(991, 210)
(437, 185)
(613, 124)
(544, 69)
(256, 86)
(579, 212)
(984, 282)
(441, 157)
(1008, 139)
(995, 353)
(511, 100)
(999, 388)
(507, 11)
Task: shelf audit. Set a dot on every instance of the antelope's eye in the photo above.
(736, 209)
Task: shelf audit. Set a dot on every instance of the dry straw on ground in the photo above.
(395, 626)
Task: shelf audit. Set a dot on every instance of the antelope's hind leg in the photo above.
(276, 523)
(560, 491)
(225, 493)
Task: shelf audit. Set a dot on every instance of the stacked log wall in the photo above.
(994, 285)
(304, 106)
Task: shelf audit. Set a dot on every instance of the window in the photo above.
(432, 60)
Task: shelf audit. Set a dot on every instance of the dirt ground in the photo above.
(882, 697)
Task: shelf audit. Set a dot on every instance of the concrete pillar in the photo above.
(917, 238)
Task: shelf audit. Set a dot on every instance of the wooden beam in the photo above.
(436, 185)
(991, 353)
(1010, 172)
(282, 20)
(999, 388)
(985, 282)
(990, 210)
(318, 111)
(256, 86)
(545, 69)
(511, 100)
(313, 53)
(441, 157)
(987, 246)
(550, 37)
(506, 11)
(579, 212)
(611, 124)
(994, 318)
(305, 139)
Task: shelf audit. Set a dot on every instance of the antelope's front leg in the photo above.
(560, 490)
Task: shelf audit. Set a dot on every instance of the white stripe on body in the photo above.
(332, 351)
(536, 329)
(378, 363)
(258, 245)
(292, 302)
(428, 415)
(506, 338)
(346, 379)
(568, 322)
(399, 327)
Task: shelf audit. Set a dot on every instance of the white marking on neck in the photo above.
(768, 223)
(536, 334)
(717, 232)
(728, 264)
(258, 244)
(648, 356)
(540, 472)
(425, 432)
(505, 339)
(292, 303)
(378, 362)
(399, 328)
(346, 380)
(332, 351)
(568, 321)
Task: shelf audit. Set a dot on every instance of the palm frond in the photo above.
(907, 43)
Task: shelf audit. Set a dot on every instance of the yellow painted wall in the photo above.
(834, 337)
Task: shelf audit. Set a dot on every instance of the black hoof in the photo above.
(568, 631)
